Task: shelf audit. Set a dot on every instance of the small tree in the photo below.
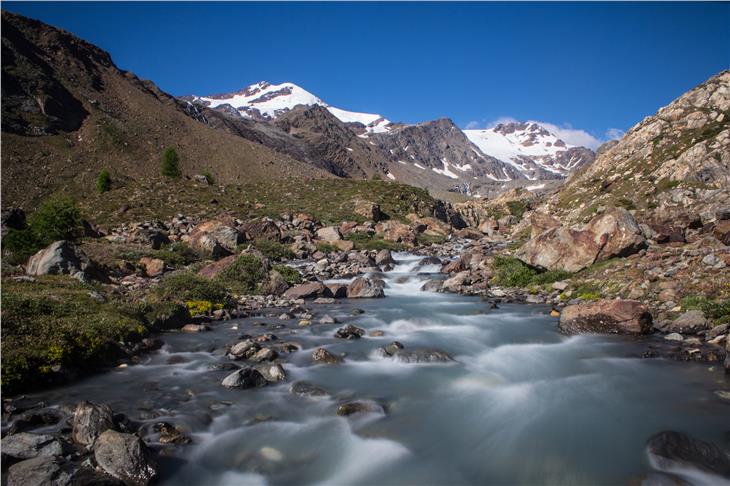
(170, 163)
(57, 218)
(104, 181)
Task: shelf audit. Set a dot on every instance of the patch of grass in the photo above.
(273, 250)
(718, 310)
(665, 184)
(244, 276)
(511, 272)
(326, 247)
(176, 254)
(588, 291)
(55, 321)
(427, 240)
(625, 203)
(184, 286)
(363, 241)
(517, 208)
(291, 275)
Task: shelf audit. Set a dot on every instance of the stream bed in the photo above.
(519, 404)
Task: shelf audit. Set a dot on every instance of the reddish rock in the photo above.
(343, 245)
(607, 317)
(722, 231)
(338, 291)
(213, 269)
(362, 288)
(321, 355)
(261, 228)
(368, 210)
(153, 267)
(541, 222)
(216, 237)
(309, 290)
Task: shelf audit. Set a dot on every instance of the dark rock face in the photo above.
(126, 457)
(690, 322)
(670, 448)
(90, 420)
(42, 470)
(26, 446)
(606, 316)
(306, 389)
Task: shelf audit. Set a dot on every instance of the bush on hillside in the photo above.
(273, 250)
(104, 181)
(170, 163)
(244, 276)
(291, 275)
(187, 286)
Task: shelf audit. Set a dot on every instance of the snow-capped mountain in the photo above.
(531, 149)
(264, 101)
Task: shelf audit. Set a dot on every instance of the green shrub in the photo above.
(170, 163)
(55, 219)
(511, 272)
(273, 249)
(291, 275)
(104, 181)
(209, 177)
(718, 310)
(244, 276)
(665, 184)
(626, 203)
(427, 240)
(177, 254)
(326, 247)
(588, 291)
(184, 286)
(517, 208)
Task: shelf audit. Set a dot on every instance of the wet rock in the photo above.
(243, 349)
(384, 257)
(264, 354)
(671, 450)
(194, 328)
(327, 319)
(431, 260)
(90, 420)
(376, 333)
(363, 288)
(308, 290)
(338, 291)
(606, 316)
(321, 355)
(222, 366)
(273, 373)
(716, 331)
(359, 406)
(674, 337)
(169, 434)
(690, 322)
(454, 284)
(244, 378)
(349, 332)
(307, 389)
(422, 356)
(24, 445)
(126, 457)
(42, 470)
(432, 286)
(390, 349)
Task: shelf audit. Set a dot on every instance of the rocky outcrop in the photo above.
(126, 457)
(215, 238)
(365, 288)
(60, 257)
(606, 316)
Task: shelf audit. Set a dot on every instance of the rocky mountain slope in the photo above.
(69, 112)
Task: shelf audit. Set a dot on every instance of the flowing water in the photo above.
(520, 404)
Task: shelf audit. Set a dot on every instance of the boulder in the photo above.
(41, 470)
(308, 290)
(90, 420)
(359, 406)
(560, 248)
(261, 228)
(274, 284)
(606, 316)
(321, 355)
(488, 226)
(243, 349)
(211, 270)
(216, 237)
(541, 222)
(337, 290)
(363, 288)
(307, 389)
(671, 450)
(343, 245)
(273, 373)
(60, 257)
(368, 210)
(721, 231)
(153, 267)
(689, 323)
(397, 232)
(349, 332)
(617, 233)
(422, 356)
(468, 234)
(24, 445)
(126, 457)
(244, 378)
(384, 257)
(453, 284)
(192, 328)
(329, 233)
(152, 237)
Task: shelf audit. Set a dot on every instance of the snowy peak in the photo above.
(265, 101)
(530, 148)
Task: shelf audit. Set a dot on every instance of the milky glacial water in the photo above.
(521, 403)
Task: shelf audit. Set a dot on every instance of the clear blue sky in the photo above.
(592, 66)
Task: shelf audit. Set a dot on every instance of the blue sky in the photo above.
(587, 68)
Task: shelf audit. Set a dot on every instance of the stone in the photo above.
(390, 349)
(244, 378)
(431, 260)
(264, 354)
(368, 210)
(469, 234)
(422, 356)
(397, 232)
(343, 245)
(541, 222)
(561, 285)
(359, 406)
(721, 231)
(606, 316)
(90, 420)
(152, 237)
(308, 290)
(274, 284)
(243, 349)
(349, 332)
(455, 283)
(718, 330)
(212, 270)
(689, 323)
(363, 287)
(261, 229)
(24, 445)
(194, 328)
(153, 267)
(432, 286)
(272, 373)
(126, 457)
(327, 319)
(329, 233)
(41, 471)
(384, 257)
(321, 355)
(488, 226)
(307, 389)
(674, 336)
(671, 450)
(337, 290)
(216, 237)
(60, 257)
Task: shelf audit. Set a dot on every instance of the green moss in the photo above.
(273, 249)
(665, 184)
(588, 291)
(511, 272)
(183, 286)
(291, 275)
(244, 275)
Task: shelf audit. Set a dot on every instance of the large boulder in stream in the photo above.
(126, 457)
(422, 356)
(364, 288)
(673, 451)
(90, 420)
(308, 290)
(606, 316)
(244, 378)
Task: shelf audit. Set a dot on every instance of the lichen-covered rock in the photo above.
(321, 355)
(606, 316)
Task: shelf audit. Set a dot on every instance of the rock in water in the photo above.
(363, 288)
(244, 378)
(26, 446)
(349, 332)
(359, 406)
(90, 420)
(125, 457)
(308, 290)
(422, 356)
(321, 355)
(273, 373)
(669, 450)
(606, 316)
(307, 389)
